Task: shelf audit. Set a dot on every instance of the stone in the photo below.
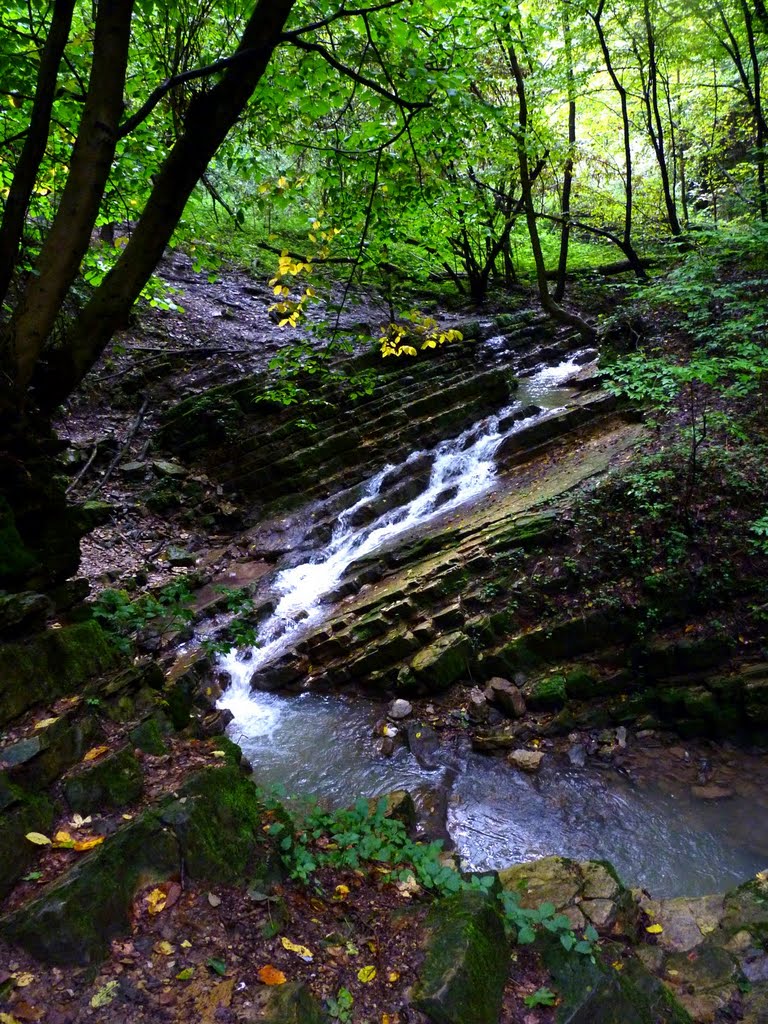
(685, 921)
(398, 805)
(577, 755)
(180, 557)
(134, 470)
(292, 1003)
(26, 611)
(466, 962)
(526, 760)
(424, 744)
(711, 792)
(114, 781)
(399, 709)
(549, 880)
(172, 470)
(545, 694)
(75, 918)
(443, 662)
(506, 696)
(22, 812)
(477, 706)
(148, 737)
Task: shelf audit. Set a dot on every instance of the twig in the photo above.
(84, 470)
(131, 434)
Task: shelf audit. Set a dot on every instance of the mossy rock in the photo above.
(217, 820)
(443, 662)
(547, 693)
(466, 963)
(592, 993)
(22, 813)
(54, 664)
(45, 755)
(16, 560)
(113, 782)
(148, 737)
(293, 1003)
(74, 920)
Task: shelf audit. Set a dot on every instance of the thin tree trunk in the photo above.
(206, 124)
(90, 165)
(654, 121)
(548, 303)
(762, 132)
(33, 151)
(565, 233)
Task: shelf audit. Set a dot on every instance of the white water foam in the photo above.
(462, 469)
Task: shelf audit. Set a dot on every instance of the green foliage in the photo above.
(340, 1006)
(541, 997)
(163, 613)
(415, 331)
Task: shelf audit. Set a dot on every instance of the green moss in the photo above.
(148, 737)
(466, 963)
(27, 813)
(443, 662)
(548, 692)
(113, 782)
(217, 820)
(15, 559)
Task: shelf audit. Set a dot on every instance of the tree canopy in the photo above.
(475, 141)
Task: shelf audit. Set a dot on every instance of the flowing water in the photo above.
(323, 746)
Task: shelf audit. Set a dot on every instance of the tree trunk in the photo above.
(655, 124)
(548, 303)
(565, 233)
(22, 341)
(207, 122)
(25, 174)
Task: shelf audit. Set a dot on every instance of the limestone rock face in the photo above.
(466, 962)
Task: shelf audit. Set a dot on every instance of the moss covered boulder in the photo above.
(20, 812)
(442, 663)
(466, 963)
(114, 781)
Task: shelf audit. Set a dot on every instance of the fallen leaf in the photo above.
(301, 951)
(164, 948)
(78, 821)
(23, 979)
(27, 1013)
(654, 929)
(81, 845)
(156, 901)
(186, 974)
(105, 995)
(214, 900)
(341, 892)
(173, 894)
(270, 975)
(393, 976)
(45, 722)
(217, 966)
(186, 944)
(38, 838)
(6, 1018)
(366, 974)
(63, 840)
(95, 752)
(218, 753)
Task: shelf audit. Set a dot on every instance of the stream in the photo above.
(322, 745)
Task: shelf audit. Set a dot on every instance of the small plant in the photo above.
(759, 531)
(340, 1005)
(541, 997)
(163, 613)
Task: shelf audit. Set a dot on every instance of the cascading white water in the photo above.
(462, 468)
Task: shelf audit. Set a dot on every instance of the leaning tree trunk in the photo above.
(33, 151)
(565, 234)
(23, 339)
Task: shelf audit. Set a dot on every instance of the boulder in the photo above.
(466, 962)
(399, 709)
(506, 696)
(443, 662)
(424, 744)
(526, 760)
(114, 781)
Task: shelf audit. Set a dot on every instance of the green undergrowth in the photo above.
(363, 836)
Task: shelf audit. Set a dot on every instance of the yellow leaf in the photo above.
(278, 289)
(6, 1018)
(156, 901)
(95, 752)
(164, 948)
(393, 976)
(24, 979)
(37, 838)
(673, 972)
(282, 182)
(218, 753)
(186, 944)
(341, 892)
(617, 965)
(654, 929)
(292, 947)
(81, 845)
(62, 839)
(45, 722)
(270, 975)
(366, 974)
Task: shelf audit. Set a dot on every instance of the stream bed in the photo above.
(322, 745)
